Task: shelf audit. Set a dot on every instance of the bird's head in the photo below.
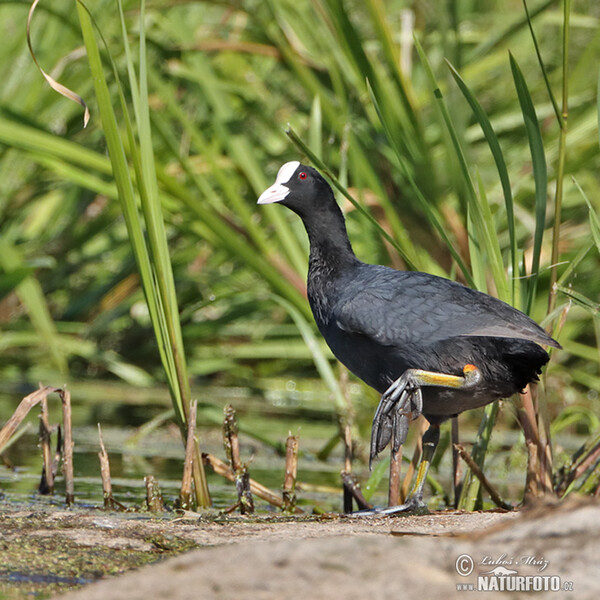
(300, 188)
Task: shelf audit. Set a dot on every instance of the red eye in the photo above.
(302, 175)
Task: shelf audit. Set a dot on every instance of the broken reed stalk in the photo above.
(456, 470)
(351, 484)
(395, 472)
(532, 490)
(242, 487)
(347, 439)
(544, 444)
(58, 452)
(591, 457)
(65, 397)
(492, 491)
(291, 469)
(345, 414)
(582, 460)
(232, 449)
(224, 470)
(47, 480)
(154, 499)
(105, 473)
(185, 495)
(21, 412)
(539, 462)
(230, 437)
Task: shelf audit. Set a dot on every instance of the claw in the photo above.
(391, 419)
(403, 401)
(392, 426)
(399, 431)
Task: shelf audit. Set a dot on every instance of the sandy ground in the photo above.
(378, 558)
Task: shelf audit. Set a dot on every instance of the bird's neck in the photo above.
(331, 256)
(330, 248)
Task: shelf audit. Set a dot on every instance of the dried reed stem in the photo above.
(539, 465)
(347, 439)
(65, 397)
(291, 469)
(21, 412)
(105, 473)
(230, 437)
(351, 484)
(223, 469)
(47, 481)
(456, 470)
(395, 472)
(185, 495)
(232, 448)
(154, 499)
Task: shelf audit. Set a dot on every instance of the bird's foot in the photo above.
(399, 404)
(413, 505)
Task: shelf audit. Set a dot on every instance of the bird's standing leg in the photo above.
(404, 399)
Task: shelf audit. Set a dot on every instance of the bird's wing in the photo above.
(396, 307)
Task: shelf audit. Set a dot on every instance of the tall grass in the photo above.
(449, 166)
(145, 228)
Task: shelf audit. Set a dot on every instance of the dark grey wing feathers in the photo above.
(397, 307)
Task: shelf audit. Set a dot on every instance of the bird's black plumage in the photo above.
(380, 322)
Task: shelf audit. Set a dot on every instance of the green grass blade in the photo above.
(476, 254)
(486, 237)
(424, 205)
(540, 174)
(155, 279)
(590, 305)
(472, 486)
(315, 131)
(11, 279)
(497, 154)
(497, 37)
(377, 475)
(157, 238)
(31, 139)
(31, 295)
(593, 215)
(538, 53)
(118, 159)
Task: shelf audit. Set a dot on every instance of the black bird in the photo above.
(429, 345)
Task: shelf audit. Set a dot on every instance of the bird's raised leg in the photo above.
(401, 402)
(404, 400)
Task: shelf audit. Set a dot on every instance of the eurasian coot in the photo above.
(429, 345)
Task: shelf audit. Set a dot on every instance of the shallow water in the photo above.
(265, 418)
(266, 414)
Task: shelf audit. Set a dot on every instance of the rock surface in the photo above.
(404, 557)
